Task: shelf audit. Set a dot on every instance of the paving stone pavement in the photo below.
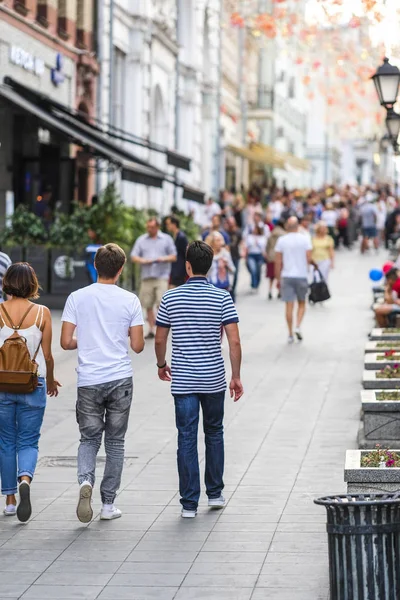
(285, 445)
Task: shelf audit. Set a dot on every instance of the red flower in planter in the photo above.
(390, 462)
(390, 353)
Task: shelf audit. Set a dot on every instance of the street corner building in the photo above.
(46, 60)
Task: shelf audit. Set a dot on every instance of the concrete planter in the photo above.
(373, 348)
(371, 362)
(372, 382)
(381, 421)
(378, 335)
(369, 480)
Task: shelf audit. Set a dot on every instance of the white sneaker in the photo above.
(217, 502)
(84, 510)
(110, 512)
(188, 514)
(10, 510)
(298, 334)
(291, 339)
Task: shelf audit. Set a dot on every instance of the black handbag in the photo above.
(319, 291)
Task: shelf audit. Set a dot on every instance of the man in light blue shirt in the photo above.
(154, 252)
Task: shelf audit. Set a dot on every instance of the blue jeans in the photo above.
(21, 417)
(187, 409)
(254, 264)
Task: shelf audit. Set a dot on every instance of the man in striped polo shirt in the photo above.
(196, 312)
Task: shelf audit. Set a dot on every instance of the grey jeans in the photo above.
(104, 407)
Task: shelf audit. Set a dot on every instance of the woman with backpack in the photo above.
(26, 375)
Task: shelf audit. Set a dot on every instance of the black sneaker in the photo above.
(150, 336)
(270, 296)
(24, 509)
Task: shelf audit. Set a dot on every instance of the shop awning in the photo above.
(286, 158)
(131, 170)
(95, 127)
(258, 153)
(59, 118)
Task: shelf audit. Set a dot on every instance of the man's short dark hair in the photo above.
(200, 256)
(109, 260)
(174, 220)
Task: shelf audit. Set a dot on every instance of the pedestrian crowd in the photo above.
(288, 237)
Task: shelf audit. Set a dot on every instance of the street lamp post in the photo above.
(387, 82)
(393, 125)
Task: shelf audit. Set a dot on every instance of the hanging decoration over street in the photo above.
(335, 46)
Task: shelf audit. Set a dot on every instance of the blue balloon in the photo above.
(375, 274)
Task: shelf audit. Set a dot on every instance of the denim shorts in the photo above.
(370, 232)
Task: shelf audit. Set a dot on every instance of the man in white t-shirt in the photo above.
(292, 258)
(104, 317)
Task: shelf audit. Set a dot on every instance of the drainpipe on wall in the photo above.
(217, 157)
(177, 100)
(99, 90)
(111, 73)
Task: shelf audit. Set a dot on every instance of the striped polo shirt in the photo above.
(196, 312)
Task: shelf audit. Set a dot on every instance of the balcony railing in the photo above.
(261, 97)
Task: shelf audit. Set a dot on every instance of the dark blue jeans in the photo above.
(187, 410)
(254, 264)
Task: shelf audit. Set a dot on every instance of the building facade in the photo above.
(46, 48)
(158, 85)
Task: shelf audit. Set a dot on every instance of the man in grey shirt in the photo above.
(154, 251)
(369, 219)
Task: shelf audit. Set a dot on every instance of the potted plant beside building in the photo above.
(386, 378)
(25, 239)
(68, 238)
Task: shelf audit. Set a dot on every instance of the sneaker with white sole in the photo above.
(290, 339)
(298, 334)
(217, 502)
(188, 514)
(10, 510)
(84, 510)
(110, 512)
(24, 509)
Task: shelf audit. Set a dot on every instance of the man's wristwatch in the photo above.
(162, 366)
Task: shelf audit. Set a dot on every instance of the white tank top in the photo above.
(33, 336)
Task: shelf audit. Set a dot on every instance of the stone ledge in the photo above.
(372, 363)
(367, 444)
(371, 382)
(378, 335)
(373, 346)
(354, 473)
(370, 404)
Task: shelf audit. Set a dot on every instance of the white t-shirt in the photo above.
(330, 217)
(294, 247)
(103, 315)
(257, 244)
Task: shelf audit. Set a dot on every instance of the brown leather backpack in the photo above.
(18, 371)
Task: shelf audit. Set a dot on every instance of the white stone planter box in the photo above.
(381, 421)
(372, 382)
(369, 480)
(372, 363)
(372, 347)
(377, 334)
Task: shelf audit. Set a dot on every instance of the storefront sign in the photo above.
(26, 61)
(57, 75)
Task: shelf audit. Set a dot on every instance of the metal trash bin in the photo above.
(364, 546)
